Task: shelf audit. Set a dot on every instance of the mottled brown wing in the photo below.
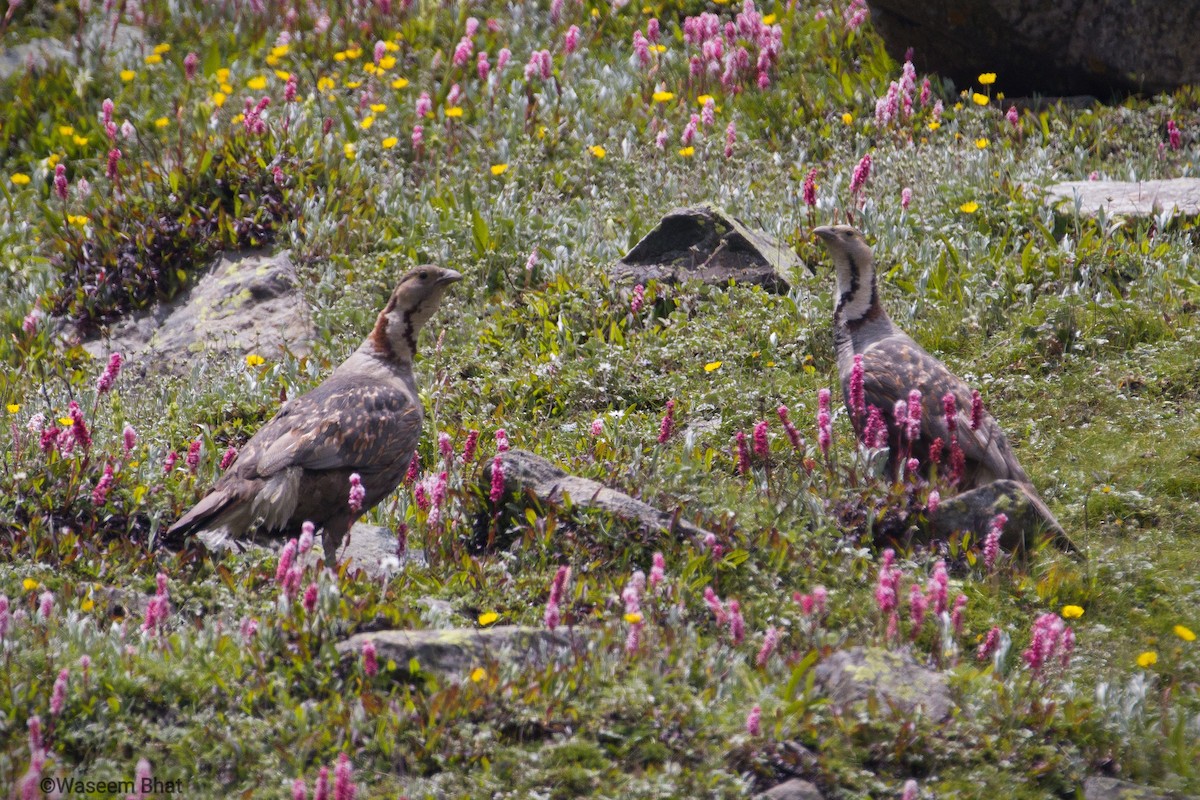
(359, 427)
(895, 365)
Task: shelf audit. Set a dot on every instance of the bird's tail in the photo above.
(212, 519)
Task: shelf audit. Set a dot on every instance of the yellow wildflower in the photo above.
(159, 49)
(499, 169)
(162, 122)
(1180, 631)
(370, 68)
(257, 83)
(378, 108)
(847, 118)
(281, 50)
(66, 130)
(392, 47)
(478, 674)
(154, 58)
(222, 75)
(127, 75)
(65, 421)
(454, 111)
(980, 99)
(662, 97)
(1147, 659)
(934, 125)
(238, 119)
(633, 618)
(367, 122)
(658, 48)
(386, 63)
(77, 220)
(712, 366)
(87, 604)
(339, 56)
(353, 84)
(1072, 612)
(969, 207)
(399, 83)
(80, 141)
(987, 78)
(687, 152)
(324, 84)
(349, 150)
(354, 52)
(389, 142)
(981, 143)
(254, 360)
(19, 178)
(597, 151)
(218, 99)
(283, 74)
(488, 617)
(13, 408)
(30, 584)
(703, 99)
(769, 19)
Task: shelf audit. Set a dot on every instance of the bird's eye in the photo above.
(423, 274)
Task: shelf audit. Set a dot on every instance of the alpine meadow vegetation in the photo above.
(528, 145)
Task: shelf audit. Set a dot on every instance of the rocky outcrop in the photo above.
(709, 245)
(1180, 196)
(1069, 47)
(975, 509)
(851, 676)
(458, 651)
(248, 303)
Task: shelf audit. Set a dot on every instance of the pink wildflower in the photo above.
(321, 789)
(820, 596)
(497, 491)
(58, 697)
(502, 59)
(917, 605)
(912, 465)
(730, 138)
(976, 410)
(824, 421)
(888, 584)
(913, 417)
(343, 786)
(1047, 637)
(358, 493)
(286, 556)
(501, 440)
(248, 629)
(933, 501)
(905, 197)
(860, 175)
(424, 105)
(641, 48)
(657, 570)
(792, 433)
(875, 434)
(445, 446)
(468, 454)
(60, 181)
(991, 544)
(639, 298)
(810, 188)
(289, 90)
(956, 616)
(481, 65)
(762, 447)
(743, 454)
(597, 427)
(1173, 135)
(46, 605)
(370, 664)
(667, 426)
(169, 462)
(708, 116)
(100, 493)
(754, 721)
(1012, 116)
(770, 642)
(310, 598)
(299, 789)
(30, 323)
(715, 605)
(689, 131)
(193, 456)
(418, 136)
(79, 429)
(652, 31)
(462, 52)
(571, 40)
(910, 790)
(228, 458)
(3, 617)
(414, 467)
(950, 408)
(737, 625)
(472, 27)
(307, 534)
(938, 587)
(857, 396)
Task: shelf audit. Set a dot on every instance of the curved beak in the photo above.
(824, 231)
(450, 276)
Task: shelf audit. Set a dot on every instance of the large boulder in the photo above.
(1068, 47)
(1180, 196)
(248, 303)
(455, 652)
(706, 244)
(894, 678)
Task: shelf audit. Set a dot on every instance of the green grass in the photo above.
(1080, 333)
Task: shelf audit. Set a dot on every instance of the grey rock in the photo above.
(98, 35)
(893, 677)
(707, 244)
(1097, 788)
(458, 651)
(529, 474)
(247, 303)
(975, 509)
(1068, 47)
(1127, 198)
(795, 789)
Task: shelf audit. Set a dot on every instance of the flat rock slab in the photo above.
(1128, 198)
(795, 789)
(1113, 789)
(709, 245)
(458, 651)
(893, 677)
(246, 304)
(530, 474)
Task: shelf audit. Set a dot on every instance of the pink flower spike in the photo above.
(370, 663)
(100, 493)
(60, 181)
(754, 721)
(956, 616)
(715, 605)
(638, 299)
(743, 454)
(501, 440)
(571, 40)
(810, 191)
(991, 545)
(228, 457)
(858, 405)
(737, 625)
(913, 420)
(321, 790)
(358, 493)
(861, 174)
(193, 456)
(793, 434)
(657, 570)
(468, 454)
(770, 642)
(299, 789)
(910, 790)
(58, 697)
(976, 410)
(128, 439)
(310, 598)
(905, 198)
(343, 786)
(497, 490)
(46, 605)
(762, 447)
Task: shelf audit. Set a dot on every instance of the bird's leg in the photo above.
(332, 535)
